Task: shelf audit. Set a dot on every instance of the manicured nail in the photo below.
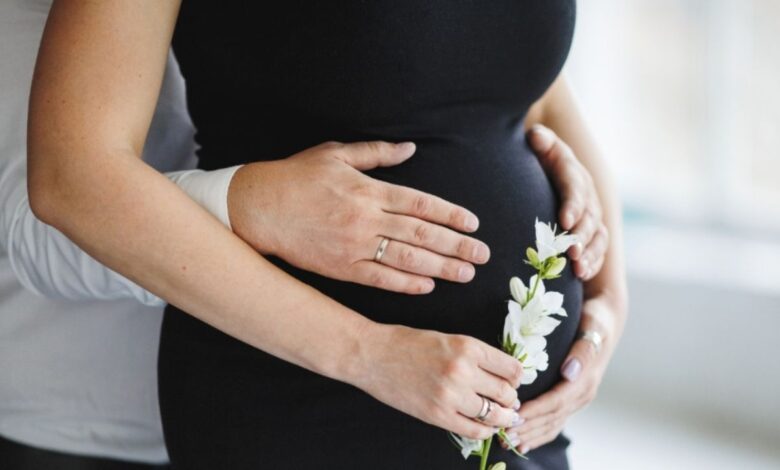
(472, 222)
(515, 441)
(572, 369)
(517, 420)
(466, 273)
(428, 285)
(516, 405)
(525, 449)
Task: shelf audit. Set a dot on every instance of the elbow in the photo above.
(55, 187)
(45, 193)
(40, 191)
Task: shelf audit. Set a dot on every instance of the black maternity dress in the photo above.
(269, 79)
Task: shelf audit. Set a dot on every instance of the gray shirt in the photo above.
(75, 376)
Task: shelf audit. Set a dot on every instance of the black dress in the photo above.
(269, 79)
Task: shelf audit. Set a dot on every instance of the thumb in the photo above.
(578, 359)
(369, 155)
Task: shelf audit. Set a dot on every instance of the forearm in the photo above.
(558, 110)
(49, 264)
(133, 220)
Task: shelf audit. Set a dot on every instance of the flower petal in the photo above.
(529, 375)
(563, 242)
(545, 325)
(552, 302)
(518, 289)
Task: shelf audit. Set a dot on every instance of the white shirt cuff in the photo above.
(208, 188)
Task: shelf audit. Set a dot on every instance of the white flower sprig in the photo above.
(528, 322)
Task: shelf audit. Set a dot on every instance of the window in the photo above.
(685, 98)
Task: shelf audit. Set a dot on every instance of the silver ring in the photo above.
(594, 338)
(487, 407)
(380, 251)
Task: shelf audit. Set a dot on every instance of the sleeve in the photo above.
(49, 264)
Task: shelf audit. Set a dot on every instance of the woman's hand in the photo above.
(440, 378)
(545, 416)
(317, 211)
(581, 211)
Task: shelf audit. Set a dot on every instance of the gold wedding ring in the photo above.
(594, 338)
(380, 251)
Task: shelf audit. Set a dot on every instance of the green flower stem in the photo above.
(485, 452)
(532, 292)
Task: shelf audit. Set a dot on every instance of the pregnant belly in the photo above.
(237, 396)
(502, 182)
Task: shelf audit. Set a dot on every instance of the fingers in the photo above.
(368, 155)
(585, 230)
(501, 364)
(435, 238)
(467, 427)
(592, 259)
(411, 202)
(548, 436)
(580, 356)
(549, 402)
(534, 434)
(419, 261)
(498, 417)
(580, 206)
(498, 390)
(378, 275)
(563, 168)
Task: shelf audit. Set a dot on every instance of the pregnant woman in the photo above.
(300, 380)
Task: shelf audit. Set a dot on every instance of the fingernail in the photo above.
(517, 420)
(515, 441)
(540, 137)
(572, 369)
(568, 220)
(466, 273)
(472, 222)
(516, 405)
(407, 146)
(481, 253)
(524, 449)
(428, 285)
(584, 268)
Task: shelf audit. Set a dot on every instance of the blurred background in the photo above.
(684, 97)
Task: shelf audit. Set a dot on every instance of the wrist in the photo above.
(360, 361)
(250, 204)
